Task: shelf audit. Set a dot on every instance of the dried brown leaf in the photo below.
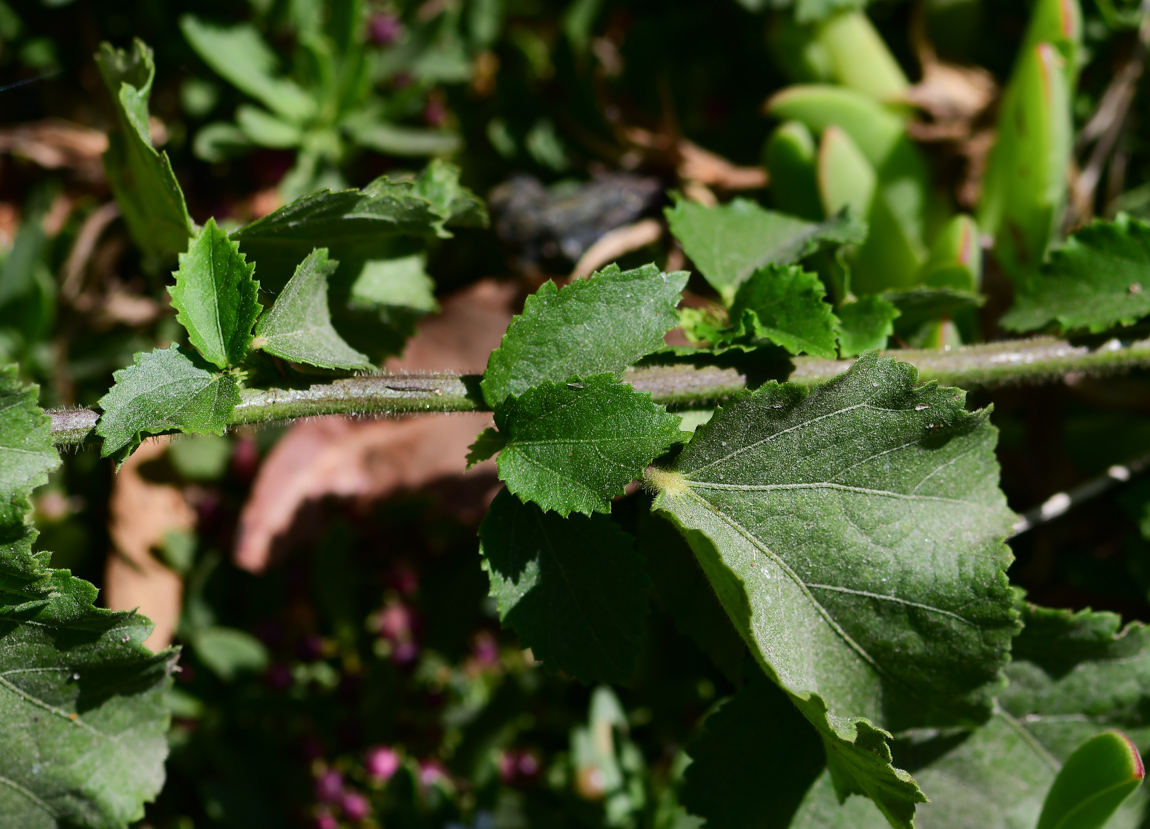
(143, 512)
(372, 460)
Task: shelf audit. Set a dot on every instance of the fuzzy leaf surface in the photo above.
(572, 447)
(141, 178)
(573, 589)
(854, 535)
(215, 297)
(82, 717)
(1099, 280)
(1073, 676)
(730, 242)
(785, 305)
(450, 200)
(298, 326)
(164, 390)
(596, 325)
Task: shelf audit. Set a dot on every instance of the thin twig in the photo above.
(1062, 502)
(676, 385)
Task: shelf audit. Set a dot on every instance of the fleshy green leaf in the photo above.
(854, 535)
(730, 242)
(165, 390)
(865, 324)
(572, 447)
(596, 325)
(215, 297)
(1073, 676)
(573, 589)
(83, 723)
(298, 326)
(241, 57)
(756, 737)
(141, 178)
(1099, 280)
(785, 305)
(1093, 782)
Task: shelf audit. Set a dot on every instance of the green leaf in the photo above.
(215, 297)
(1093, 782)
(676, 576)
(163, 391)
(298, 326)
(785, 305)
(811, 11)
(487, 445)
(357, 226)
(730, 242)
(241, 57)
(1073, 676)
(141, 178)
(396, 139)
(1094, 283)
(573, 589)
(572, 447)
(1025, 183)
(596, 325)
(865, 324)
(854, 535)
(401, 282)
(451, 201)
(82, 716)
(755, 738)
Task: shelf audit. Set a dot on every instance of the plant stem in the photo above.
(1038, 360)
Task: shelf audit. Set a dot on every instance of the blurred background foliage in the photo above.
(361, 678)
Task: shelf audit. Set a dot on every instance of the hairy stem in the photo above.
(1038, 360)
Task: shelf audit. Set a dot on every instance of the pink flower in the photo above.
(355, 807)
(381, 763)
(328, 786)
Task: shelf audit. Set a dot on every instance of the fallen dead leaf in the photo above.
(372, 460)
(616, 243)
(143, 511)
(55, 144)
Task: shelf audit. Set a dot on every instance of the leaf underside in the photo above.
(854, 536)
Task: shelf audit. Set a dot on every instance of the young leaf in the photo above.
(785, 305)
(573, 589)
(1099, 280)
(730, 242)
(164, 390)
(854, 535)
(572, 447)
(215, 297)
(1073, 676)
(454, 203)
(592, 326)
(82, 715)
(865, 324)
(141, 178)
(755, 737)
(298, 326)
(241, 57)
(1096, 778)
